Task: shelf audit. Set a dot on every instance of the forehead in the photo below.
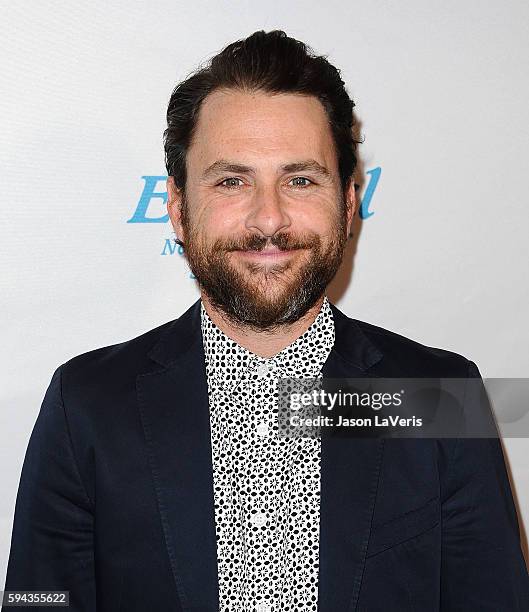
(258, 126)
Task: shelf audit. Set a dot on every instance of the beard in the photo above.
(264, 297)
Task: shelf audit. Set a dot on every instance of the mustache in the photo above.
(255, 242)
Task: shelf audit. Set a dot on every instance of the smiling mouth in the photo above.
(268, 253)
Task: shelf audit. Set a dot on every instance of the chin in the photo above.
(268, 286)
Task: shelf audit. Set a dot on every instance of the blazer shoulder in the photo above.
(413, 357)
(115, 361)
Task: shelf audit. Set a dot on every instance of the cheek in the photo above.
(218, 221)
(316, 221)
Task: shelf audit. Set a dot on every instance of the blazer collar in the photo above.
(174, 412)
(351, 344)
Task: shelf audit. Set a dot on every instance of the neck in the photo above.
(263, 343)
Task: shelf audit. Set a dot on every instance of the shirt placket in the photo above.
(261, 571)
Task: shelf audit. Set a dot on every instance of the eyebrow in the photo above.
(224, 165)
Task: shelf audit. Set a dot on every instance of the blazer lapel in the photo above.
(350, 469)
(174, 412)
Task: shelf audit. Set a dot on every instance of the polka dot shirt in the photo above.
(266, 486)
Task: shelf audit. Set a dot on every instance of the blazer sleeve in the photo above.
(52, 542)
(483, 567)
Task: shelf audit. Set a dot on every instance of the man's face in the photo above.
(263, 219)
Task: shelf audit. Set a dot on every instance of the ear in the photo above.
(174, 200)
(350, 199)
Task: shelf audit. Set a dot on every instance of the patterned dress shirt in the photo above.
(266, 486)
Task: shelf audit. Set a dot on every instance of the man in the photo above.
(155, 477)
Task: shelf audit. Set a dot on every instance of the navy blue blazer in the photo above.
(115, 502)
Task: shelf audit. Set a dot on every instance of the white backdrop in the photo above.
(442, 95)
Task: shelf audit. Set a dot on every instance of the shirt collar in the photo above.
(227, 361)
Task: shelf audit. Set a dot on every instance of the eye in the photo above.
(229, 180)
(301, 178)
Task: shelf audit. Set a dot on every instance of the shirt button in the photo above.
(259, 519)
(265, 367)
(262, 369)
(262, 429)
(263, 607)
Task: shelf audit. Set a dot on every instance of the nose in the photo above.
(267, 214)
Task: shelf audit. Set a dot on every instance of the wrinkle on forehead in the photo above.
(234, 123)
